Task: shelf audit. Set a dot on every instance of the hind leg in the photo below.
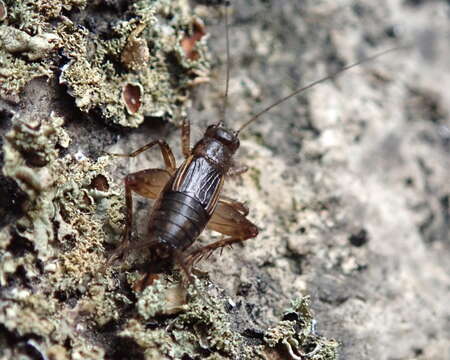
(229, 218)
(148, 183)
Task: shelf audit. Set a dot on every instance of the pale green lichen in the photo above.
(15, 73)
(202, 323)
(143, 50)
(298, 335)
(37, 138)
(162, 298)
(56, 291)
(15, 41)
(27, 42)
(65, 233)
(34, 16)
(96, 83)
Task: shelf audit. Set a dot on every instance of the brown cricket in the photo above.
(188, 198)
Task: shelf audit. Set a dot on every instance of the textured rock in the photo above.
(348, 181)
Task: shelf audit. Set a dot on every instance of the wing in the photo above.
(229, 219)
(200, 180)
(148, 183)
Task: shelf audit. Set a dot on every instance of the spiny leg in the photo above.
(148, 183)
(228, 219)
(169, 159)
(185, 137)
(237, 170)
(237, 205)
(190, 280)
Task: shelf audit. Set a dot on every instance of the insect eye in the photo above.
(224, 136)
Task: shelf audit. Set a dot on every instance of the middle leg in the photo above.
(166, 152)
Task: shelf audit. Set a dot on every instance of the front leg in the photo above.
(237, 170)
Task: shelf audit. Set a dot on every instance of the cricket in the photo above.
(188, 197)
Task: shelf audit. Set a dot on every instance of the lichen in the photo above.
(58, 295)
(15, 73)
(36, 138)
(202, 324)
(151, 38)
(143, 50)
(297, 335)
(60, 238)
(35, 47)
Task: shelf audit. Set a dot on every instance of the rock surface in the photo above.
(348, 183)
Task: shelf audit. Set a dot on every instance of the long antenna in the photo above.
(227, 81)
(328, 77)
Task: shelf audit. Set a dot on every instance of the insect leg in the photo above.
(169, 159)
(237, 170)
(236, 205)
(185, 137)
(228, 218)
(147, 183)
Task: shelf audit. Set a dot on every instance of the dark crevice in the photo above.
(359, 239)
(69, 297)
(253, 336)
(18, 245)
(414, 3)
(124, 349)
(296, 261)
(25, 345)
(243, 289)
(12, 200)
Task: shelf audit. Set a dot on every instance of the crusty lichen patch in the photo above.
(58, 293)
(55, 251)
(297, 336)
(57, 297)
(95, 66)
(201, 325)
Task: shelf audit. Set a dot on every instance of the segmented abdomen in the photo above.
(177, 220)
